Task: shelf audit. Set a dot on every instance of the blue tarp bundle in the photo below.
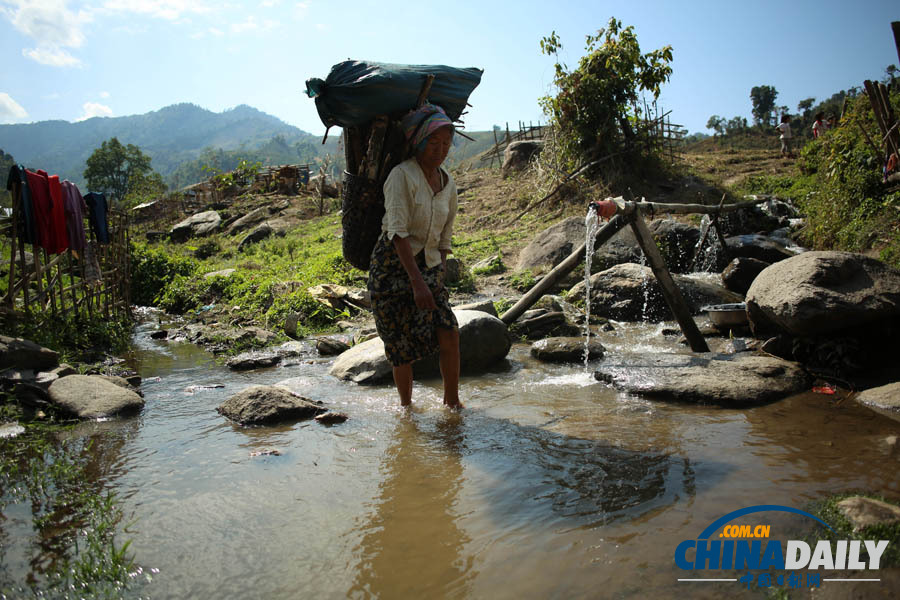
(355, 92)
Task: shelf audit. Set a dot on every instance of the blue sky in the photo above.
(72, 60)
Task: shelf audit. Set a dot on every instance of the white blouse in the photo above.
(414, 211)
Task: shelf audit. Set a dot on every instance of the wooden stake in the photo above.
(671, 293)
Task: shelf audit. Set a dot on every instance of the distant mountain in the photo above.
(171, 136)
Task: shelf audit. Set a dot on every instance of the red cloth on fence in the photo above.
(43, 207)
(58, 216)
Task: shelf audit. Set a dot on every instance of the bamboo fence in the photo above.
(93, 283)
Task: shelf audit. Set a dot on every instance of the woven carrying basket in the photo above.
(362, 204)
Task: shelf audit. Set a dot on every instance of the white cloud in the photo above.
(322, 27)
(216, 32)
(53, 26)
(51, 55)
(301, 8)
(94, 109)
(251, 24)
(270, 3)
(10, 110)
(104, 94)
(170, 10)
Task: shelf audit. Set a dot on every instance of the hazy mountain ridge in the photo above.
(170, 136)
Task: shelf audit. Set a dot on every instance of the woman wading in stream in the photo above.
(406, 274)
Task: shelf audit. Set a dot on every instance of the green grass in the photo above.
(828, 511)
(75, 522)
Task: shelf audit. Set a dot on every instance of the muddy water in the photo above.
(548, 485)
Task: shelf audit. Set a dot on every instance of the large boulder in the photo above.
(483, 341)
(19, 353)
(93, 397)
(248, 221)
(823, 292)
(198, 225)
(518, 155)
(738, 276)
(730, 380)
(256, 235)
(884, 399)
(757, 246)
(630, 292)
(260, 404)
(552, 245)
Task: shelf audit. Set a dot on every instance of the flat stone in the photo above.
(253, 360)
(884, 399)
(93, 396)
(730, 380)
(486, 306)
(20, 353)
(566, 349)
(267, 404)
(865, 512)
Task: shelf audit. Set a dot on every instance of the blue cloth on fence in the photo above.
(27, 227)
(97, 209)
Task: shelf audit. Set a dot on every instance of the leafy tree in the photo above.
(144, 187)
(736, 125)
(805, 105)
(763, 99)
(717, 124)
(112, 168)
(596, 107)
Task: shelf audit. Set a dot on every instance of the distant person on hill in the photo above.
(406, 273)
(785, 128)
(819, 127)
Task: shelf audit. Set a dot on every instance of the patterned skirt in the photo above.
(408, 332)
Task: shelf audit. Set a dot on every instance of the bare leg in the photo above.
(403, 379)
(448, 339)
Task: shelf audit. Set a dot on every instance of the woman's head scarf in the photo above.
(420, 123)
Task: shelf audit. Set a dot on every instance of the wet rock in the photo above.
(781, 346)
(865, 512)
(740, 273)
(266, 452)
(757, 246)
(884, 399)
(198, 225)
(329, 346)
(483, 342)
(253, 360)
(256, 235)
(749, 220)
(221, 337)
(331, 418)
(291, 349)
(517, 155)
(93, 397)
(267, 404)
(160, 334)
(19, 353)
(727, 380)
(630, 292)
(489, 265)
(543, 323)
(566, 349)
(485, 306)
(676, 241)
(817, 293)
(291, 322)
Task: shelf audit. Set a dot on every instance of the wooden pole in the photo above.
(560, 271)
(671, 293)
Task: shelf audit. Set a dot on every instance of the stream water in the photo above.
(549, 484)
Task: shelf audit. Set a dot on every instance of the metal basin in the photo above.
(727, 315)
